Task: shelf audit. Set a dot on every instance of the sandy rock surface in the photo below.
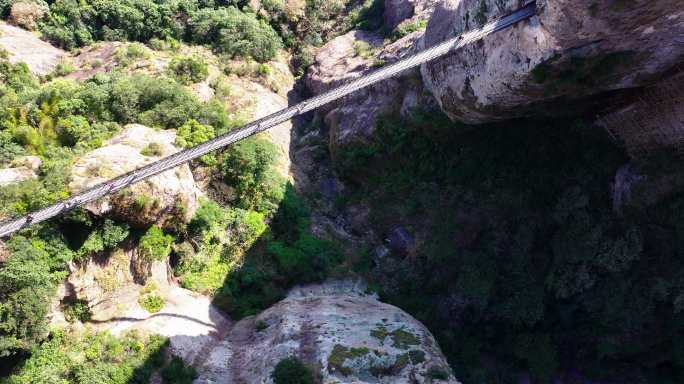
(112, 292)
(23, 168)
(24, 46)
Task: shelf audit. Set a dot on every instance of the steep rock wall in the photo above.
(572, 49)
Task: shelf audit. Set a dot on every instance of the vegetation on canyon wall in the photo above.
(542, 274)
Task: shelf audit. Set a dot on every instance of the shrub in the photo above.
(223, 236)
(292, 371)
(370, 15)
(64, 67)
(177, 372)
(151, 303)
(193, 133)
(248, 167)
(168, 44)
(437, 373)
(77, 310)
(106, 237)
(189, 70)
(207, 215)
(152, 149)
(27, 13)
(8, 148)
(155, 244)
(131, 53)
(235, 33)
(363, 49)
(408, 28)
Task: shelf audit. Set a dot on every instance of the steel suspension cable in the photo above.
(260, 125)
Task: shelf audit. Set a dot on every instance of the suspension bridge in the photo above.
(260, 125)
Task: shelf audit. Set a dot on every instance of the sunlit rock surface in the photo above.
(168, 199)
(350, 336)
(572, 49)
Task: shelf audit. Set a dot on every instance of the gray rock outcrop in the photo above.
(349, 56)
(351, 337)
(24, 168)
(167, 199)
(571, 50)
(25, 47)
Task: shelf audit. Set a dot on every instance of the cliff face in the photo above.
(571, 50)
(349, 56)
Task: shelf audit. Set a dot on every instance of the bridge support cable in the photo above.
(260, 125)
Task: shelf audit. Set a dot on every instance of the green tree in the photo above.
(189, 69)
(194, 133)
(235, 33)
(28, 280)
(248, 167)
(155, 244)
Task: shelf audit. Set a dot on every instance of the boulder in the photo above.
(340, 60)
(10, 176)
(571, 50)
(110, 283)
(349, 336)
(168, 199)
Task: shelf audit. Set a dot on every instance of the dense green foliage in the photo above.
(249, 168)
(27, 282)
(189, 70)
(234, 33)
(193, 133)
(292, 371)
(285, 255)
(155, 244)
(99, 358)
(106, 237)
(73, 23)
(177, 372)
(527, 262)
(76, 310)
